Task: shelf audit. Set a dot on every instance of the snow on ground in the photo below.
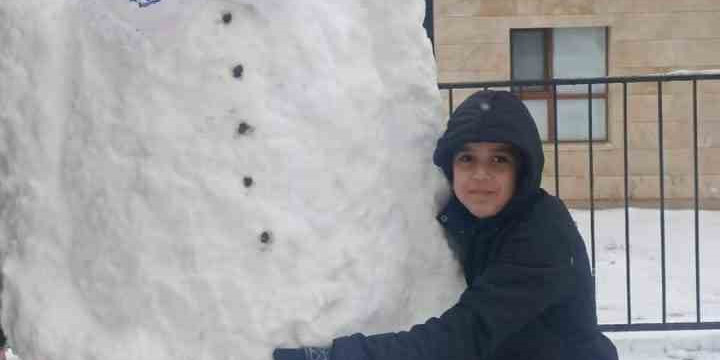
(645, 264)
(646, 275)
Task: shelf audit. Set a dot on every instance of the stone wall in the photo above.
(645, 37)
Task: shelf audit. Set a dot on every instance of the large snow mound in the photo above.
(210, 179)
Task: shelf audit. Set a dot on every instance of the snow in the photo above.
(693, 72)
(139, 219)
(130, 231)
(646, 275)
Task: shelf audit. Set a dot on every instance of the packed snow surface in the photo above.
(211, 179)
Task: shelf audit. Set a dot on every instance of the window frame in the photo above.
(546, 93)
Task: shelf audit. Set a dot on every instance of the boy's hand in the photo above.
(306, 353)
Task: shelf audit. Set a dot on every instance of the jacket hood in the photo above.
(496, 116)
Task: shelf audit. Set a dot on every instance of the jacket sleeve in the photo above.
(528, 275)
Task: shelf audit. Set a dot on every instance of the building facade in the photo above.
(494, 40)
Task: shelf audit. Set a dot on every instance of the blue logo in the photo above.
(144, 3)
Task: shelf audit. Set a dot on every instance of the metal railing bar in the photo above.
(696, 177)
(662, 202)
(450, 101)
(627, 203)
(556, 142)
(660, 327)
(579, 81)
(592, 183)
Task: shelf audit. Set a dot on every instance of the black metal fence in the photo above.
(657, 81)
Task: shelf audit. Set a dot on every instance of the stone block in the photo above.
(710, 187)
(701, 5)
(643, 162)
(676, 135)
(476, 8)
(574, 188)
(609, 188)
(619, 6)
(657, 6)
(709, 87)
(695, 25)
(474, 57)
(648, 187)
(608, 163)
(528, 7)
(644, 187)
(645, 88)
(655, 53)
(568, 7)
(455, 76)
(450, 57)
(693, 53)
(647, 162)
(678, 161)
(466, 29)
(709, 161)
(676, 107)
(709, 135)
(709, 107)
(638, 26)
(572, 163)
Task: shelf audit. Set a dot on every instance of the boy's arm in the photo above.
(528, 276)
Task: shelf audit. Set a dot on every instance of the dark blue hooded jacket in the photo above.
(530, 294)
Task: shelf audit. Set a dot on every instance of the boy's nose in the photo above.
(481, 173)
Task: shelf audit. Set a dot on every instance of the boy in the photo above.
(530, 294)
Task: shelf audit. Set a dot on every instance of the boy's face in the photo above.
(484, 177)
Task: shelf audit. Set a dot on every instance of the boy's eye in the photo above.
(501, 159)
(464, 158)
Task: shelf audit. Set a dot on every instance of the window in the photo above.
(538, 54)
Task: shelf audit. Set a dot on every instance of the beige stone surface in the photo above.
(573, 163)
(709, 86)
(646, 37)
(474, 57)
(710, 186)
(619, 6)
(655, 53)
(567, 7)
(471, 76)
(574, 187)
(709, 107)
(476, 8)
(701, 5)
(466, 29)
(709, 161)
(528, 7)
(657, 6)
(642, 26)
(609, 163)
(693, 53)
(648, 187)
(677, 107)
(609, 187)
(695, 25)
(651, 88)
(709, 135)
(644, 135)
